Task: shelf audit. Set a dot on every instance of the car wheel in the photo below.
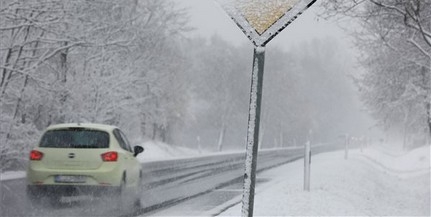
(121, 195)
(138, 204)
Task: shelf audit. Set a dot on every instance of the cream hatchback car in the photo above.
(76, 159)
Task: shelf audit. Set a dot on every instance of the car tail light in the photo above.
(36, 155)
(110, 156)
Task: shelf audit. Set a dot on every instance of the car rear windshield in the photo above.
(75, 138)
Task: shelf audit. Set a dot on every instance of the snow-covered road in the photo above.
(165, 183)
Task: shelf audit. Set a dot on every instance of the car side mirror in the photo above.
(137, 150)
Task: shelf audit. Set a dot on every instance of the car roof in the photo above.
(103, 127)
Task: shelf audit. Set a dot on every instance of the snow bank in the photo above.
(363, 185)
(399, 163)
(155, 151)
(11, 175)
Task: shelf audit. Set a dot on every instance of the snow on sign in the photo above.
(261, 20)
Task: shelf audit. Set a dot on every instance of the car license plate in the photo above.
(70, 179)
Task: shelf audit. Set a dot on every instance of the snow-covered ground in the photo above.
(155, 151)
(8, 175)
(374, 182)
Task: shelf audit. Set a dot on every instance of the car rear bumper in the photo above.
(109, 174)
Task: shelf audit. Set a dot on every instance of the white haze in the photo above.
(209, 20)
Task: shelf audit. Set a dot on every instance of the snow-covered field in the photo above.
(375, 182)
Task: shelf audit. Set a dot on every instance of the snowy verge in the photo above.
(9, 175)
(355, 187)
(400, 164)
(157, 151)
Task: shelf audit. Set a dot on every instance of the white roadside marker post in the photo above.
(307, 162)
(346, 148)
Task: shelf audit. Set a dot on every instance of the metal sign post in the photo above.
(253, 131)
(260, 20)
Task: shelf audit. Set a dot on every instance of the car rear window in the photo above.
(75, 138)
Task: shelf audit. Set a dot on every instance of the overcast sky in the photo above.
(209, 18)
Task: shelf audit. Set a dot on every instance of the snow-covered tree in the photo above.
(219, 79)
(396, 39)
(111, 62)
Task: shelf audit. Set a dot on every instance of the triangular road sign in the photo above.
(262, 20)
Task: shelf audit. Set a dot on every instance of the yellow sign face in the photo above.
(262, 20)
(262, 14)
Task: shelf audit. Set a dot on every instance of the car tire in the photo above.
(121, 195)
(137, 203)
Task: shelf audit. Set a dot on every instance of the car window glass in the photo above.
(120, 139)
(129, 148)
(75, 138)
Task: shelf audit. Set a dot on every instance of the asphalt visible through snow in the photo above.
(184, 187)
